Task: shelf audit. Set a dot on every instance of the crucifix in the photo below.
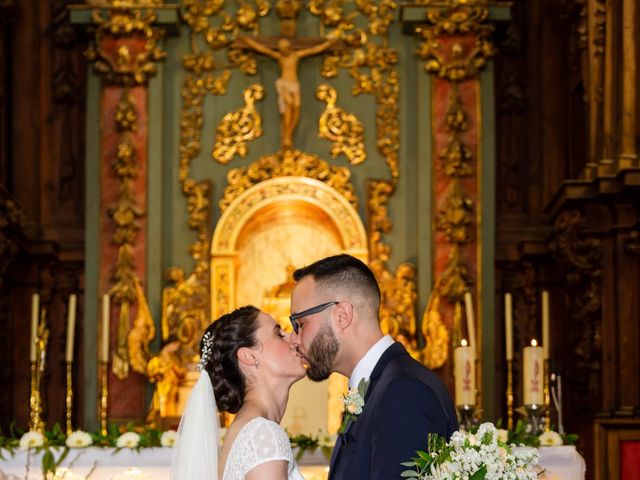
(288, 52)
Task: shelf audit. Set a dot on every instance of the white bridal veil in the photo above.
(195, 454)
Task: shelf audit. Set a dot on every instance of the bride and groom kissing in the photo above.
(248, 365)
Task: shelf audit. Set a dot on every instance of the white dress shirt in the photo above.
(364, 368)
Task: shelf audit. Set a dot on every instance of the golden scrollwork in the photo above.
(132, 59)
(141, 334)
(342, 128)
(239, 127)
(435, 334)
(447, 50)
(288, 163)
(456, 215)
(398, 290)
(124, 214)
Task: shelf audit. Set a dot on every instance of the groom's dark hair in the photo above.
(343, 272)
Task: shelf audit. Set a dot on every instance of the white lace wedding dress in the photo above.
(259, 441)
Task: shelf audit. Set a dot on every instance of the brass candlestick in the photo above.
(35, 401)
(104, 395)
(547, 397)
(69, 399)
(510, 394)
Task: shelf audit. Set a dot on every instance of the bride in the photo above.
(247, 367)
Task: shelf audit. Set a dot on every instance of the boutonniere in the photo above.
(353, 404)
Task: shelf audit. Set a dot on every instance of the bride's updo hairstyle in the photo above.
(218, 355)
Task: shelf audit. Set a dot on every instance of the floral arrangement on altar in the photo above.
(472, 456)
(56, 440)
(521, 436)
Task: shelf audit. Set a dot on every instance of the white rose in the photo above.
(351, 408)
(503, 435)
(78, 439)
(128, 440)
(31, 439)
(168, 438)
(550, 438)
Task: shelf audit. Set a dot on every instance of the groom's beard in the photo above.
(322, 353)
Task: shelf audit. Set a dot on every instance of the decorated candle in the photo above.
(471, 325)
(35, 313)
(71, 325)
(508, 325)
(104, 353)
(464, 362)
(533, 371)
(545, 324)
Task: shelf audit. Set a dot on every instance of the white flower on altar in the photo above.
(78, 439)
(128, 440)
(168, 438)
(503, 435)
(550, 439)
(31, 439)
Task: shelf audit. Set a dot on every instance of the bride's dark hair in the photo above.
(224, 338)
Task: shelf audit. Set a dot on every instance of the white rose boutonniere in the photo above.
(78, 439)
(353, 404)
(550, 439)
(31, 439)
(128, 440)
(168, 438)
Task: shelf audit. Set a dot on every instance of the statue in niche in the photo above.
(288, 53)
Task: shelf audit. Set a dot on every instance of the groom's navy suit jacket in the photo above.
(405, 402)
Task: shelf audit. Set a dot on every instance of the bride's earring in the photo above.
(257, 364)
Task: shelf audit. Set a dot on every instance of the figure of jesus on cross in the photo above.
(287, 86)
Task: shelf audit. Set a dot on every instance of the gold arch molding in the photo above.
(287, 199)
(266, 231)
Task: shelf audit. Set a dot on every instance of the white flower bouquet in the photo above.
(472, 456)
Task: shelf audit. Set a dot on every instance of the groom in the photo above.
(334, 307)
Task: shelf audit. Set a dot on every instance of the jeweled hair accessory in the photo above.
(207, 346)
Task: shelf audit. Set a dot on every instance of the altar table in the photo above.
(559, 463)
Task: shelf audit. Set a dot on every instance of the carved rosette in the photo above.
(455, 47)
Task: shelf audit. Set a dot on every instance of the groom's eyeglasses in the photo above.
(309, 311)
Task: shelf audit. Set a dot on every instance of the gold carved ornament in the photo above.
(132, 59)
(288, 163)
(342, 128)
(124, 213)
(458, 59)
(239, 127)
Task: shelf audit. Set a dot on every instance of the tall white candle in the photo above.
(35, 313)
(471, 323)
(104, 352)
(545, 324)
(71, 326)
(464, 371)
(533, 371)
(508, 325)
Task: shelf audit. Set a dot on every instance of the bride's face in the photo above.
(276, 355)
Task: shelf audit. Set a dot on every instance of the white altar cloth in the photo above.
(559, 463)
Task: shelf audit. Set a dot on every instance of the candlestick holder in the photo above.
(510, 394)
(69, 398)
(468, 416)
(104, 396)
(547, 397)
(534, 415)
(35, 401)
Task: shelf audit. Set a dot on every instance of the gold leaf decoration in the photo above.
(342, 128)
(142, 333)
(435, 333)
(237, 128)
(287, 163)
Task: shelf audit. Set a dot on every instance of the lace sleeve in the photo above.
(260, 441)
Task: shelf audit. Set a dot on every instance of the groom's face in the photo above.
(315, 339)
